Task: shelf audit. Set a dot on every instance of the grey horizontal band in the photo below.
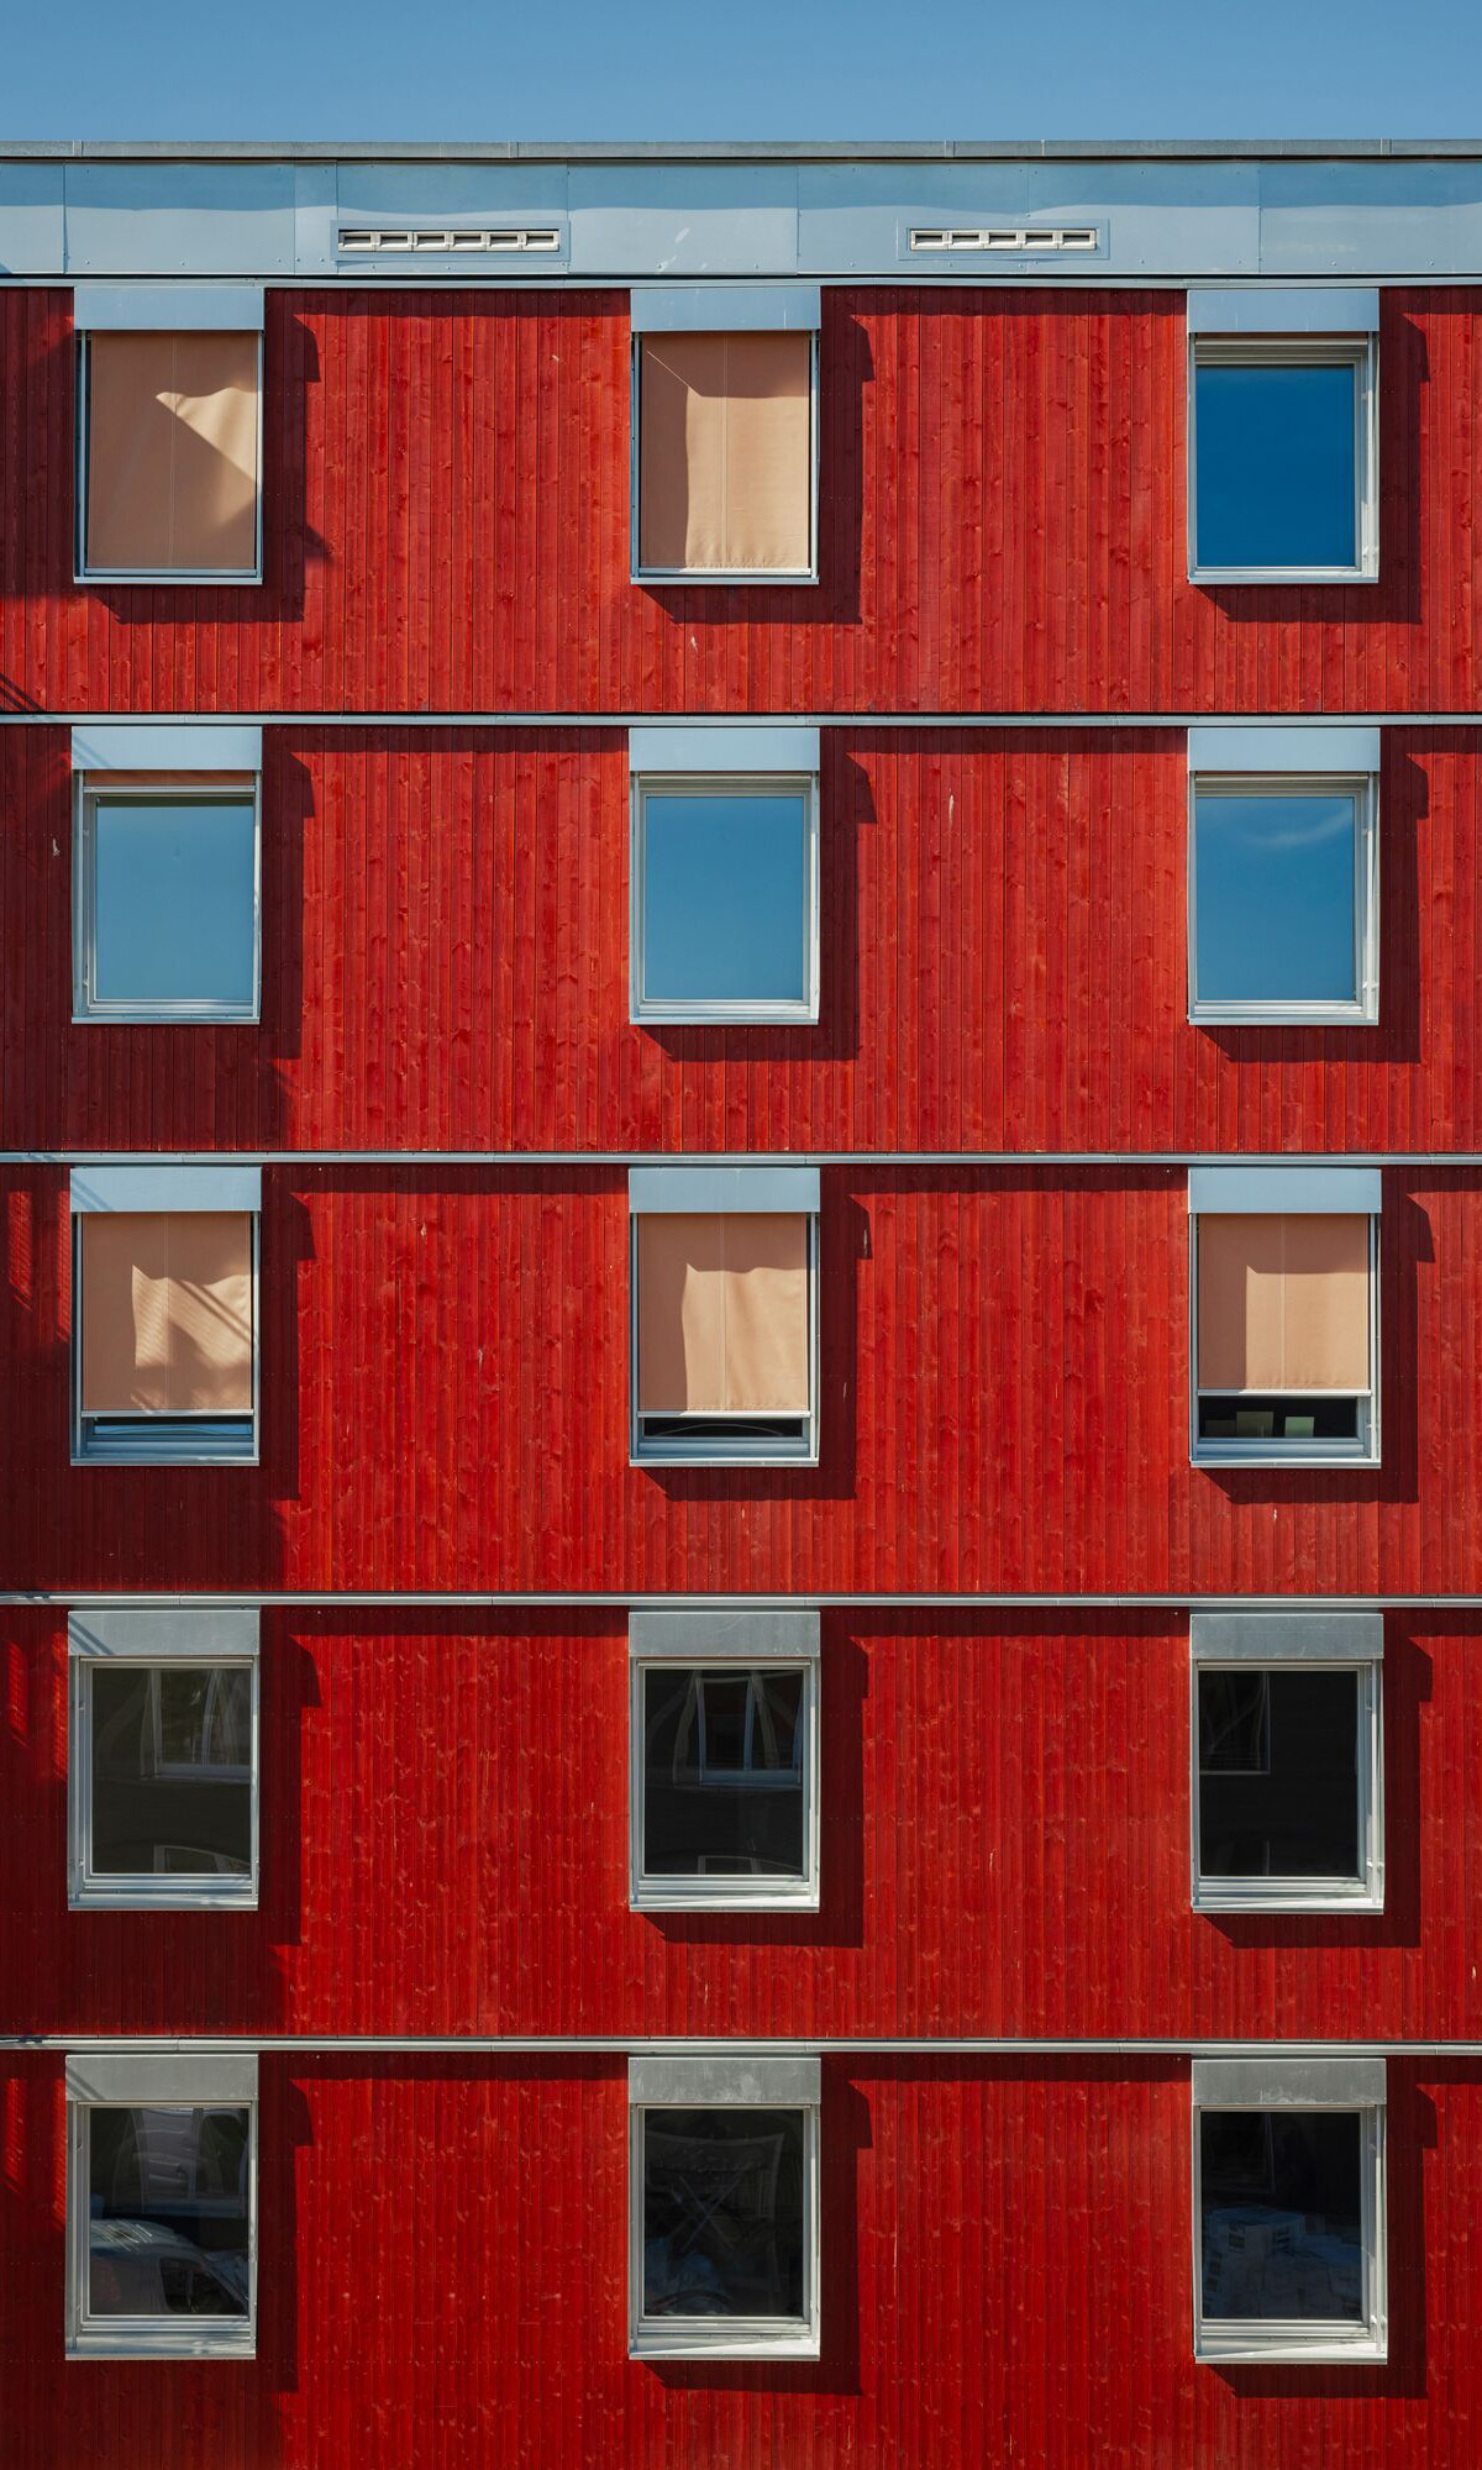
(717, 308)
(680, 2083)
(138, 2079)
(1274, 2082)
(167, 308)
(167, 746)
(167, 1633)
(703, 747)
(1286, 1637)
(682, 1191)
(1314, 747)
(695, 1637)
(1286, 1191)
(166, 1185)
(1341, 309)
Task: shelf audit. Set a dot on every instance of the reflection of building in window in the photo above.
(171, 1769)
(723, 1772)
(1282, 2214)
(723, 2213)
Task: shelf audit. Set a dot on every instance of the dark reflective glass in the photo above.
(171, 1770)
(1278, 1774)
(174, 901)
(1282, 2206)
(722, 1773)
(723, 2210)
(725, 898)
(1275, 446)
(1248, 1418)
(1275, 884)
(169, 2199)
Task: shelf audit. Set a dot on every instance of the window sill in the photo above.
(175, 1899)
(170, 578)
(1296, 578)
(671, 576)
(734, 1897)
(713, 2338)
(738, 1461)
(724, 1016)
(164, 2341)
(1283, 1016)
(179, 1017)
(1301, 1455)
(1331, 1900)
(1325, 2345)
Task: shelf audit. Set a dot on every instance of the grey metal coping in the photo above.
(744, 150)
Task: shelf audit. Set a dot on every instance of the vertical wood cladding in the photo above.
(1001, 511)
(445, 1847)
(1003, 934)
(1005, 2277)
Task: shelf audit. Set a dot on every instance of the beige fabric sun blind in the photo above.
(167, 1313)
(1284, 1304)
(725, 452)
(172, 453)
(723, 1315)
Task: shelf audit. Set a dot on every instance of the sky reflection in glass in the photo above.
(1275, 450)
(174, 902)
(725, 898)
(1275, 889)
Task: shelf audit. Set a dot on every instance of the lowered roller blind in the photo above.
(1284, 1303)
(723, 1315)
(172, 453)
(725, 467)
(167, 1313)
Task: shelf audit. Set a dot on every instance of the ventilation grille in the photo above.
(504, 240)
(1021, 239)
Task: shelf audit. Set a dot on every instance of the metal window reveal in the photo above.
(501, 240)
(1068, 239)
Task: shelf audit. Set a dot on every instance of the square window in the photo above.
(724, 467)
(164, 1323)
(1282, 900)
(725, 900)
(1286, 1337)
(724, 1340)
(166, 905)
(162, 1760)
(1287, 1800)
(1289, 2236)
(1283, 463)
(723, 1785)
(170, 456)
(161, 2205)
(724, 2214)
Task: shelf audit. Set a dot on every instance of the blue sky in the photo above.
(770, 69)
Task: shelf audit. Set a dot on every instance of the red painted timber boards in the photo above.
(1002, 520)
(445, 1848)
(1004, 1403)
(1003, 938)
(1006, 2279)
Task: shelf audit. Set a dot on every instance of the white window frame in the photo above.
(696, 309)
(147, 1439)
(156, 2080)
(737, 2081)
(168, 308)
(678, 1641)
(1363, 1010)
(652, 1011)
(1241, 350)
(1260, 2082)
(1283, 1191)
(87, 1006)
(220, 1640)
(1258, 1642)
(789, 1191)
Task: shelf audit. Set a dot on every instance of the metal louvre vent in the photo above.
(502, 240)
(1024, 239)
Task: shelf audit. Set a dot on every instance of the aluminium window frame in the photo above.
(87, 1009)
(1260, 1012)
(191, 578)
(1360, 351)
(163, 2080)
(756, 2084)
(672, 1452)
(652, 1012)
(1364, 1451)
(703, 576)
(222, 1640)
(146, 1454)
(1265, 1643)
(1307, 2084)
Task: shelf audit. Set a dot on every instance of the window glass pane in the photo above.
(725, 898)
(168, 2205)
(174, 901)
(1278, 1774)
(1275, 893)
(172, 1770)
(723, 2213)
(1282, 2214)
(723, 1773)
(1276, 453)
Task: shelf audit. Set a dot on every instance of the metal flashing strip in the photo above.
(167, 308)
(705, 308)
(1277, 2082)
(689, 1188)
(1296, 1190)
(694, 2082)
(1319, 310)
(155, 1184)
(546, 1599)
(1286, 1637)
(1311, 746)
(160, 2073)
(132, 1633)
(641, 2046)
(679, 1632)
(893, 719)
(718, 746)
(168, 746)
(669, 1162)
